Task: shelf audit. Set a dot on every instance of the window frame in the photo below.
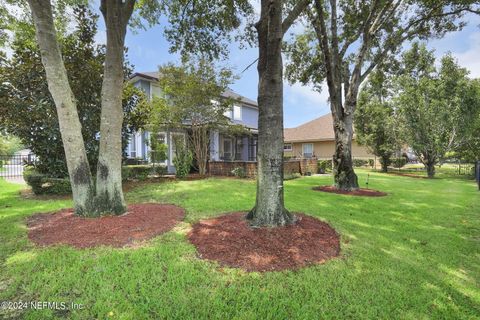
(303, 150)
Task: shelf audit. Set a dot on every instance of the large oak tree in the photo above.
(431, 103)
(194, 26)
(345, 40)
(269, 207)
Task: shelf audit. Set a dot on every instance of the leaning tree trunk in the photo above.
(109, 169)
(69, 122)
(344, 175)
(269, 208)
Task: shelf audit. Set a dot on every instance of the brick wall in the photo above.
(221, 168)
(302, 166)
(308, 166)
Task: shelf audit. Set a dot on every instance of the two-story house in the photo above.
(222, 147)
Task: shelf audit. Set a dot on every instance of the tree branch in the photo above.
(293, 14)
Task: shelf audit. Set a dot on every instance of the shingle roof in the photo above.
(320, 129)
(153, 75)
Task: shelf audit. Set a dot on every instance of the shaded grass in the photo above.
(411, 255)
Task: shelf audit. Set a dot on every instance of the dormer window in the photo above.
(237, 113)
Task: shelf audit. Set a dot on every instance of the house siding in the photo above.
(326, 149)
(250, 116)
(144, 85)
(246, 115)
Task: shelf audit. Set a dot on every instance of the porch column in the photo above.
(214, 146)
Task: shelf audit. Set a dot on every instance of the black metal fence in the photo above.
(11, 165)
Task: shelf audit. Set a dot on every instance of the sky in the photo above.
(148, 49)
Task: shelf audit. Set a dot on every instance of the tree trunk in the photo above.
(384, 160)
(269, 209)
(109, 194)
(430, 166)
(69, 122)
(200, 142)
(344, 175)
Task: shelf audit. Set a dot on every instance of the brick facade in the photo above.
(223, 168)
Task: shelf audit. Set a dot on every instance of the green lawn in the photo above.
(414, 254)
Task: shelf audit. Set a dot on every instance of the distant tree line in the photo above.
(434, 109)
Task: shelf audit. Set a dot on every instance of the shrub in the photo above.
(43, 184)
(159, 150)
(399, 162)
(136, 172)
(239, 172)
(56, 186)
(183, 159)
(371, 163)
(160, 170)
(359, 162)
(324, 166)
(33, 179)
(291, 176)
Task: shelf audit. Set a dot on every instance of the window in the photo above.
(133, 146)
(252, 149)
(157, 145)
(237, 113)
(227, 149)
(161, 137)
(307, 150)
(287, 147)
(175, 137)
(238, 148)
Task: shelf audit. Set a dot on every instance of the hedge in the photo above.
(399, 162)
(239, 172)
(43, 184)
(141, 172)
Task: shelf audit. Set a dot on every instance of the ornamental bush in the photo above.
(43, 184)
(239, 172)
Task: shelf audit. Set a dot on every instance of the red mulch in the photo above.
(141, 222)
(232, 242)
(359, 192)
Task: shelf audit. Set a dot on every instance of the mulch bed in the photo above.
(140, 222)
(231, 241)
(359, 192)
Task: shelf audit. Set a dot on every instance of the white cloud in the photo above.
(304, 103)
(307, 94)
(469, 58)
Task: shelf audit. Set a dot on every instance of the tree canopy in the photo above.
(192, 99)
(376, 124)
(24, 90)
(433, 104)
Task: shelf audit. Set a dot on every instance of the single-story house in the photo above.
(222, 147)
(316, 138)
